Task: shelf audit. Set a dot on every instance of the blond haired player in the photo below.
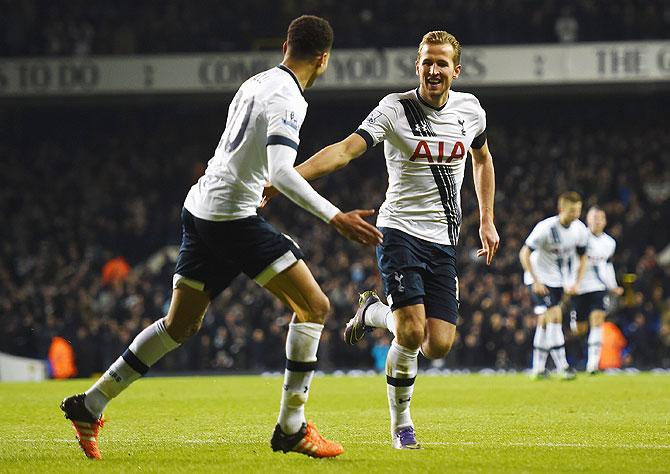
(428, 133)
(548, 258)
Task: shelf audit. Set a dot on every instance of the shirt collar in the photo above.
(418, 96)
(297, 83)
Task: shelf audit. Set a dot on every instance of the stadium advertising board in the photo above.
(493, 66)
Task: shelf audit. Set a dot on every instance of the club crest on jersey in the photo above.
(461, 122)
(290, 120)
(423, 150)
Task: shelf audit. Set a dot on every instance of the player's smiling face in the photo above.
(436, 70)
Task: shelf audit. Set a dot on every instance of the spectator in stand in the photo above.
(180, 26)
(82, 191)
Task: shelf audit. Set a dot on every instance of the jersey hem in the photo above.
(381, 222)
(217, 217)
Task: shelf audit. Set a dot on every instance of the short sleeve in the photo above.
(481, 119)
(584, 236)
(378, 123)
(537, 237)
(285, 115)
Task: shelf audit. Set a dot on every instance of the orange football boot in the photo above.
(306, 441)
(85, 425)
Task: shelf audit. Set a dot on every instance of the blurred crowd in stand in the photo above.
(80, 27)
(90, 201)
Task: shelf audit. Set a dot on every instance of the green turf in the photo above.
(467, 423)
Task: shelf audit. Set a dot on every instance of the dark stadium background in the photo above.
(85, 180)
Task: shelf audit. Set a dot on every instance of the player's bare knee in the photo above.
(319, 307)
(181, 331)
(443, 349)
(436, 349)
(192, 329)
(410, 335)
(554, 314)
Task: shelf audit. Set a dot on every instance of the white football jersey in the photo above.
(599, 274)
(425, 150)
(269, 108)
(554, 251)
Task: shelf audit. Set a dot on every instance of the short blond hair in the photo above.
(571, 197)
(441, 37)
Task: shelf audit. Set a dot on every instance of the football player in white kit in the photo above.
(224, 236)
(593, 297)
(427, 133)
(548, 259)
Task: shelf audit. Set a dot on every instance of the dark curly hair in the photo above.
(309, 36)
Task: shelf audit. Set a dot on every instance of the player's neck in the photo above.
(303, 72)
(564, 222)
(437, 101)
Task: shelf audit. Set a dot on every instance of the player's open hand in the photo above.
(490, 241)
(539, 289)
(269, 192)
(617, 291)
(352, 225)
(571, 290)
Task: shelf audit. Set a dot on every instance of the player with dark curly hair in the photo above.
(224, 236)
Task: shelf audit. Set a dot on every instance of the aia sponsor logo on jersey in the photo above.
(423, 151)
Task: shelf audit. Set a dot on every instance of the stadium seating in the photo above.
(28, 28)
(79, 197)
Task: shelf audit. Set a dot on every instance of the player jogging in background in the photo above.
(427, 133)
(223, 236)
(552, 251)
(593, 296)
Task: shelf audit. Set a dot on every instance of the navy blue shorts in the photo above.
(213, 253)
(542, 303)
(416, 271)
(584, 304)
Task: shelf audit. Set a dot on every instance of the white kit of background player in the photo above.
(554, 263)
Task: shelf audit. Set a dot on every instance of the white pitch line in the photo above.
(373, 443)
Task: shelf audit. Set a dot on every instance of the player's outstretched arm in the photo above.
(484, 177)
(289, 182)
(332, 157)
(325, 161)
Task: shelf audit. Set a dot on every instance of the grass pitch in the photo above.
(466, 423)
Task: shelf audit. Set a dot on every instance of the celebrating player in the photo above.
(548, 258)
(427, 133)
(223, 236)
(592, 300)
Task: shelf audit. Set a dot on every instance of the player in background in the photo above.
(548, 259)
(427, 133)
(223, 236)
(593, 297)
